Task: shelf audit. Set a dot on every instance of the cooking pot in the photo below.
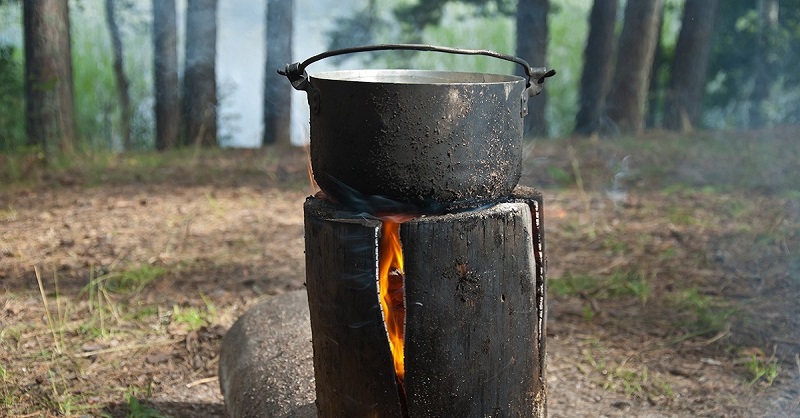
(439, 140)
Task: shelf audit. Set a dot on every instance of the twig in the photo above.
(47, 309)
(717, 337)
(202, 381)
(786, 340)
(126, 348)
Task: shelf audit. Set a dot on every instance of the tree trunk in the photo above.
(632, 71)
(49, 113)
(277, 92)
(655, 89)
(764, 59)
(199, 76)
(119, 75)
(532, 37)
(165, 63)
(688, 75)
(597, 66)
(472, 299)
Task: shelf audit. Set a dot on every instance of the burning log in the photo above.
(473, 307)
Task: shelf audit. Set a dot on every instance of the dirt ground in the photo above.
(117, 285)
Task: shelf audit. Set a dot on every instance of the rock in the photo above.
(266, 366)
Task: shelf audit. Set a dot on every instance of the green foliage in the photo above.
(12, 103)
(97, 110)
(422, 13)
(12, 70)
(761, 368)
(568, 30)
(732, 65)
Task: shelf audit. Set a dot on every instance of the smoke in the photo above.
(618, 193)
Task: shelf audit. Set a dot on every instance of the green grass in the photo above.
(618, 284)
(702, 314)
(762, 369)
(194, 318)
(622, 377)
(137, 409)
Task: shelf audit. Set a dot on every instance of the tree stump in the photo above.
(475, 313)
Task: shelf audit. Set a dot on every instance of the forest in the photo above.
(688, 66)
(154, 165)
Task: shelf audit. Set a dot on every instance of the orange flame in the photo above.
(391, 288)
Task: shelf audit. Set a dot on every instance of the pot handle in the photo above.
(296, 73)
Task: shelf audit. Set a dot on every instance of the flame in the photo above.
(391, 288)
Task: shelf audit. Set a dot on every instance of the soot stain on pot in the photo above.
(421, 144)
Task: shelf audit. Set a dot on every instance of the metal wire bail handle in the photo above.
(297, 72)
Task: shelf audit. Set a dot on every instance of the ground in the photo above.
(673, 275)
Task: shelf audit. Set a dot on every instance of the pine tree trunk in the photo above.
(764, 59)
(199, 76)
(688, 75)
(167, 90)
(277, 92)
(628, 93)
(532, 36)
(49, 113)
(597, 67)
(655, 89)
(119, 74)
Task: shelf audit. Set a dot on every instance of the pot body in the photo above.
(437, 139)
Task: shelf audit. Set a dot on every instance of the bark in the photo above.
(597, 67)
(277, 91)
(199, 77)
(532, 34)
(628, 92)
(119, 75)
(475, 286)
(683, 102)
(655, 89)
(167, 90)
(49, 113)
(765, 58)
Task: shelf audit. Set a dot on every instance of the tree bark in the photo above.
(597, 66)
(688, 75)
(165, 63)
(632, 71)
(655, 88)
(119, 74)
(49, 113)
(532, 36)
(199, 76)
(764, 59)
(277, 92)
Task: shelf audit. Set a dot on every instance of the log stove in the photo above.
(425, 263)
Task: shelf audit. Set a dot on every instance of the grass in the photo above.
(194, 318)
(106, 317)
(702, 314)
(616, 285)
(624, 378)
(27, 169)
(762, 369)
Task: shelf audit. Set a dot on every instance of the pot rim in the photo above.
(416, 77)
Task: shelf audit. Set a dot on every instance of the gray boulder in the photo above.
(266, 365)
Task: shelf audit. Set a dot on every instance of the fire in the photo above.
(391, 288)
